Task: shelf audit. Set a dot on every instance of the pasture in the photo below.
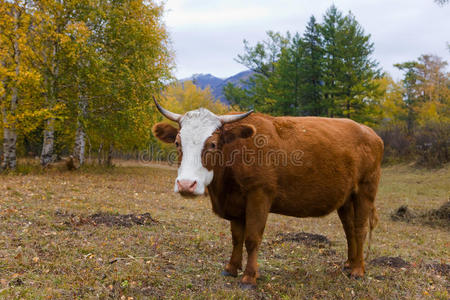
(121, 233)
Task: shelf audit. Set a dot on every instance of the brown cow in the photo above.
(253, 165)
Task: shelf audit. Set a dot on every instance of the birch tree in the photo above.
(15, 72)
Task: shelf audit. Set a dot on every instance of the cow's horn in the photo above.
(233, 118)
(168, 114)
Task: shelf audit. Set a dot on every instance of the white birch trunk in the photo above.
(48, 144)
(9, 145)
(9, 128)
(49, 131)
(80, 136)
(80, 144)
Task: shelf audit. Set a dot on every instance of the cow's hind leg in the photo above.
(364, 211)
(347, 216)
(257, 210)
(237, 235)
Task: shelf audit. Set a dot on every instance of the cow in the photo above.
(252, 164)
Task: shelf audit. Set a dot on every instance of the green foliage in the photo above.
(329, 71)
(326, 72)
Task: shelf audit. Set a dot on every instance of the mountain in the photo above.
(217, 84)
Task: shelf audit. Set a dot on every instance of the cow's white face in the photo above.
(196, 127)
(196, 133)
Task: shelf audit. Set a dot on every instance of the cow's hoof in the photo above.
(247, 286)
(357, 273)
(226, 273)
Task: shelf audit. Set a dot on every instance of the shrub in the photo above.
(432, 144)
(397, 144)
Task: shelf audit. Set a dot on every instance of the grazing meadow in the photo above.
(121, 233)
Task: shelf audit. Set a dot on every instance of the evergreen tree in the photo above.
(311, 69)
(349, 69)
(263, 60)
(326, 72)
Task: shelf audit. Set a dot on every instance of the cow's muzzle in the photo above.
(186, 187)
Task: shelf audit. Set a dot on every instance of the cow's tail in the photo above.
(373, 221)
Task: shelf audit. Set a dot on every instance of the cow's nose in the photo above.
(186, 186)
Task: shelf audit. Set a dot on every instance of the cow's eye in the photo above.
(213, 145)
(177, 144)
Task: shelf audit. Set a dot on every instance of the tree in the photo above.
(349, 69)
(183, 97)
(18, 78)
(326, 72)
(76, 71)
(312, 71)
(137, 62)
(263, 60)
(54, 18)
(427, 90)
(441, 2)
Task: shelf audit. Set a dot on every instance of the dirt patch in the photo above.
(440, 216)
(403, 213)
(16, 282)
(442, 212)
(389, 261)
(309, 239)
(108, 219)
(442, 269)
(435, 217)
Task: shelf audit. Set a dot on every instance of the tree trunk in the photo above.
(9, 127)
(110, 154)
(80, 137)
(51, 100)
(80, 144)
(9, 145)
(48, 144)
(99, 154)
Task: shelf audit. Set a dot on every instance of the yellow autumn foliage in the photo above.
(186, 96)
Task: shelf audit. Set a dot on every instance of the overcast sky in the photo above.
(207, 35)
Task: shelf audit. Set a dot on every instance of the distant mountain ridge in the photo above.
(217, 84)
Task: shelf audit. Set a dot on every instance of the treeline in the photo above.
(79, 74)
(329, 71)
(77, 77)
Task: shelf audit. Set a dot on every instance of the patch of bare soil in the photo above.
(309, 239)
(442, 269)
(108, 219)
(440, 216)
(389, 261)
(403, 213)
(443, 212)
(434, 217)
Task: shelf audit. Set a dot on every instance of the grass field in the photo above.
(52, 247)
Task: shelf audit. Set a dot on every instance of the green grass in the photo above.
(45, 254)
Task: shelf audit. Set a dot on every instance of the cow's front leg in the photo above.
(257, 209)
(237, 235)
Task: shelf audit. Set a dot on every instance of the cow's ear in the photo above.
(165, 132)
(242, 131)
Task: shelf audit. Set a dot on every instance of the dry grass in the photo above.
(51, 248)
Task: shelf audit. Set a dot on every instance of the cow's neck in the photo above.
(226, 198)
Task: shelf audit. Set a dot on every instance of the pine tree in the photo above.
(349, 69)
(311, 69)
